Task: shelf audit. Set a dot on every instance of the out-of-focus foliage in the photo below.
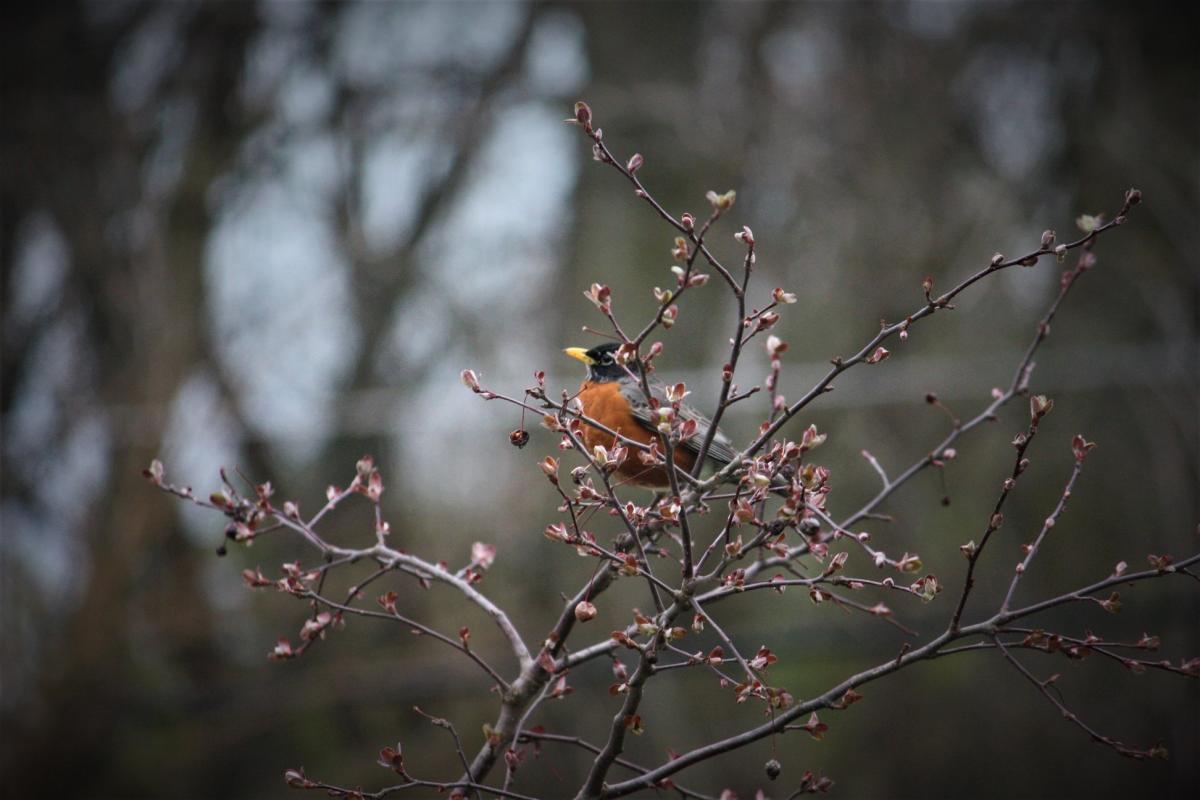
(270, 235)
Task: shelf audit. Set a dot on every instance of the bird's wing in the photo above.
(721, 449)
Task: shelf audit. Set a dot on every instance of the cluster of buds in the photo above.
(664, 416)
(557, 532)
(758, 475)
(927, 587)
(367, 480)
(609, 460)
(245, 514)
(669, 315)
(782, 297)
(763, 321)
(1088, 223)
(751, 688)
(721, 202)
(811, 439)
(654, 351)
(572, 431)
(601, 297)
(294, 581)
(314, 627)
(763, 658)
(1039, 406)
(668, 509)
(1081, 447)
(680, 251)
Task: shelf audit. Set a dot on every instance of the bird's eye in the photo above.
(606, 359)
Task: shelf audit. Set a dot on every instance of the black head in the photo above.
(601, 362)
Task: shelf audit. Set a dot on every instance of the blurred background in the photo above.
(270, 235)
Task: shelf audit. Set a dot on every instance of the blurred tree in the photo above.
(271, 234)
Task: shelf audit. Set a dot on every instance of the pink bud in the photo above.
(583, 115)
(1039, 406)
(483, 555)
(584, 611)
(599, 294)
(721, 202)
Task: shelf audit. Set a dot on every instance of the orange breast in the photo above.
(604, 403)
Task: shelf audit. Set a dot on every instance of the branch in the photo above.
(425, 629)
(830, 698)
(1069, 716)
(931, 306)
(1046, 526)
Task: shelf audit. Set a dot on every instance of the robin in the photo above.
(612, 395)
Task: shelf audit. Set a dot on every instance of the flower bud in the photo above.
(721, 202)
(879, 355)
(583, 115)
(1039, 406)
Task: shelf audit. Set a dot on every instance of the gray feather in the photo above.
(721, 449)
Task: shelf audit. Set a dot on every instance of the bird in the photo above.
(612, 395)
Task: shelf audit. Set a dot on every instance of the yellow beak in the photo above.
(581, 354)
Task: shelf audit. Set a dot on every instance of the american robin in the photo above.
(613, 397)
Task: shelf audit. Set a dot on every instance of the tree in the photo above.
(708, 540)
